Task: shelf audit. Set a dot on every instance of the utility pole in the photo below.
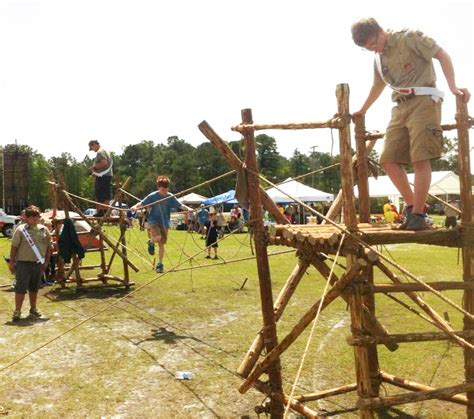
(313, 164)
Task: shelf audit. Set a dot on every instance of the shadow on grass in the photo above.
(393, 413)
(167, 336)
(71, 294)
(26, 321)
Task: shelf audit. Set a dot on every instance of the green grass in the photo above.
(122, 363)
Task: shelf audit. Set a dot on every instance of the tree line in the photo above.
(187, 166)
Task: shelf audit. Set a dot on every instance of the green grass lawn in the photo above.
(122, 363)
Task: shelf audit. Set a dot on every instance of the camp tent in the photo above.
(192, 199)
(221, 198)
(442, 183)
(292, 188)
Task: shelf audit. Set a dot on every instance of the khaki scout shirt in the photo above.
(40, 235)
(407, 61)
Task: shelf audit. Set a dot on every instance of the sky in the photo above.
(126, 71)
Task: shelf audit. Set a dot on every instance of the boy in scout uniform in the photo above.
(29, 256)
(404, 62)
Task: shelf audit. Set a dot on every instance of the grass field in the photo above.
(123, 361)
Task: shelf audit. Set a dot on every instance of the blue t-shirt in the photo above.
(160, 212)
(203, 215)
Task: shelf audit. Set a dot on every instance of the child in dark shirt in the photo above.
(211, 237)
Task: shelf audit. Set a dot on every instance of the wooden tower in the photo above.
(355, 240)
(96, 240)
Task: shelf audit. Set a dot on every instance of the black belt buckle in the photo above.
(404, 98)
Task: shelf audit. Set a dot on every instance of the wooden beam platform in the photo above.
(325, 238)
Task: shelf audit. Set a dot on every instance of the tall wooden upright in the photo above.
(258, 228)
(464, 165)
(365, 357)
(362, 169)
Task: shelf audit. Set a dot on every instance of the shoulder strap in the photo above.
(104, 172)
(30, 241)
(435, 93)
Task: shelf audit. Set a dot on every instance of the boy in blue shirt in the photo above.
(160, 204)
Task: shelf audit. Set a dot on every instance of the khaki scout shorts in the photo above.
(414, 132)
(158, 233)
(27, 277)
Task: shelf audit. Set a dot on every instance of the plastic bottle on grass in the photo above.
(184, 375)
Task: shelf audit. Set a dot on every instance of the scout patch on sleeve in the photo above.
(425, 40)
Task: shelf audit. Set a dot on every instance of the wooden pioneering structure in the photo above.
(94, 240)
(354, 240)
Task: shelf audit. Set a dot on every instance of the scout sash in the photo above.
(30, 241)
(104, 172)
(435, 93)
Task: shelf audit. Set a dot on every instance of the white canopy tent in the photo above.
(297, 190)
(192, 198)
(442, 183)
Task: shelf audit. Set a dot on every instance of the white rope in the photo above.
(313, 328)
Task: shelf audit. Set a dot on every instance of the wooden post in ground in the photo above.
(464, 164)
(362, 170)
(337, 204)
(259, 234)
(368, 301)
(75, 260)
(59, 275)
(123, 242)
(282, 300)
(366, 362)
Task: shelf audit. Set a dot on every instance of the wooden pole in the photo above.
(361, 353)
(347, 178)
(294, 404)
(236, 164)
(437, 319)
(300, 327)
(366, 361)
(362, 169)
(439, 393)
(60, 274)
(280, 304)
(362, 340)
(414, 386)
(368, 303)
(259, 234)
(414, 286)
(371, 322)
(326, 393)
(465, 179)
(123, 242)
(75, 259)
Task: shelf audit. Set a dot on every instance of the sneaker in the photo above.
(151, 248)
(34, 312)
(16, 315)
(406, 212)
(215, 257)
(416, 222)
(159, 268)
(208, 257)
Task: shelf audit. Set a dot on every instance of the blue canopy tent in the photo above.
(225, 197)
